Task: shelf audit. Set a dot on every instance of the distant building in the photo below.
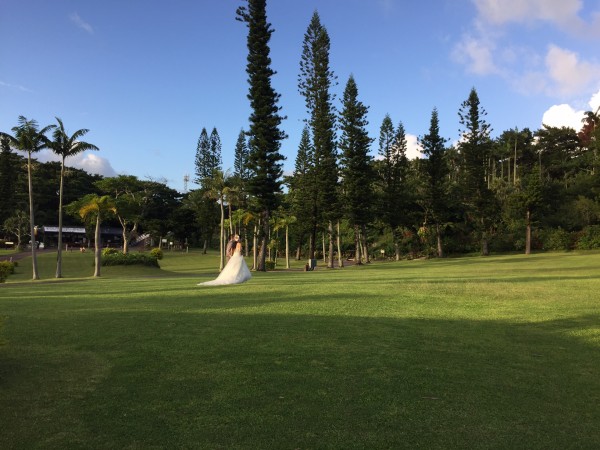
(77, 237)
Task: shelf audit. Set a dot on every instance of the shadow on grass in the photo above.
(188, 376)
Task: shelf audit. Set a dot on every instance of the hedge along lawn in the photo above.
(466, 352)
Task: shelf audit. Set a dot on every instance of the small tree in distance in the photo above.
(97, 208)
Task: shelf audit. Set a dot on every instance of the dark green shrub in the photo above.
(156, 253)
(129, 259)
(269, 265)
(556, 239)
(588, 238)
(6, 268)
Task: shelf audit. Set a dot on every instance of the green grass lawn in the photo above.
(497, 352)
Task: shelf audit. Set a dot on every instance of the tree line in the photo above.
(521, 191)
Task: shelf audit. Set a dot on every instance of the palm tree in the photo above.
(248, 217)
(217, 189)
(30, 139)
(65, 146)
(96, 206)
(285, 222)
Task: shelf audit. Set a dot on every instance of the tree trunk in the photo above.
(484, 246)
(364, 243)
(485, 251)
(440, 249)
(287, 248)
(205, 246)
(528, 234)
(127, 235)
(34, 266)
(97, 248)
(357, 245)
(396, 245)
(254, 247)
(262, 256)
(515, 164)
(330, 256)
(339, 246)
(221, 243)
(124, 236)
(60, 221)
(312, 243)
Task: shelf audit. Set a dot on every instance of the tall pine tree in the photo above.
(203, 163)
(475, 147)
(434, 170)
(356, 165)
(314, 83)
(240, 163)
(393, 168)
(214, 157)
(264, 159)
(301, 188)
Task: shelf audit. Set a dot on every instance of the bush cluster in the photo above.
(588, 238)
(269, 265)
(6, 268)
(110, 251)
(557, 239)
(156, 253)
(129, 259)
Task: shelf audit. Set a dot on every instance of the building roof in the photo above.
(81, 230)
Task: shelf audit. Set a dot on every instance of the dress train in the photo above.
(236, 271)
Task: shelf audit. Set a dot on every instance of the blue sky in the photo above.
(146, 76)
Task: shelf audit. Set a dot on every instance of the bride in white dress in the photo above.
(236, 271)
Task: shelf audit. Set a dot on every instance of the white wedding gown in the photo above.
(236, 271)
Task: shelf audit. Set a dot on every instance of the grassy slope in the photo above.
(466, 352)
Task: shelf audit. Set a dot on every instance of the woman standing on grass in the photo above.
(236, 271)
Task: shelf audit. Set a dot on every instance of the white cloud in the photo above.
(491, 50)
(413, 150)
(565, 115)
(81, 23)
(564, 13)
(89, 162)
(476, 54)
(533, 82)
(15, 86)
(95, 164)
(595, 101)
(568, 73)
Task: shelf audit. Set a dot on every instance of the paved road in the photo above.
(21, 255)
